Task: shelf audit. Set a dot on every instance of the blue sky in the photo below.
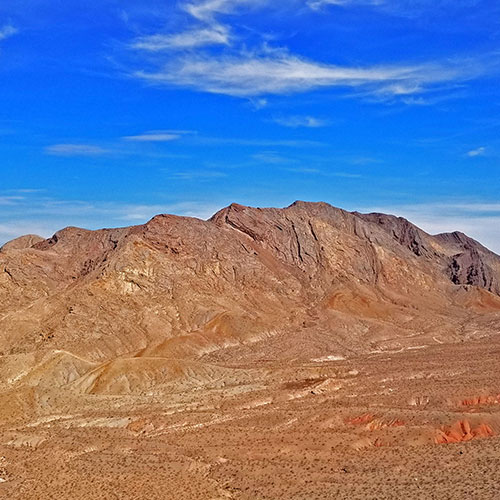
(111, 112)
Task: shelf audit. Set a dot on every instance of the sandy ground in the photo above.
(422, 423)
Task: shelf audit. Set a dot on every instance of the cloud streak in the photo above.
(476, 152)
(155, 136)
(237, 141)
(7, 31)
(300, 121)
(319, 4)
(10, 200)
(205, 30)
(279, 72)
(218, 35)
(75, 150)
(246, 67)
(208, 10)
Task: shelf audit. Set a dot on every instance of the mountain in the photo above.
(190, 359)
(249, 282)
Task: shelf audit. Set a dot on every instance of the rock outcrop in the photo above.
(22, 242)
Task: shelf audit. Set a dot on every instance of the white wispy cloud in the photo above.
(477, 152)
(205, 30)
(300, 121)
(208, 10)
(131, 145)
(23, 191)
(305, 170)
(155, 136)
(194, 175)
(75, 150)
(217, 35)
(7, 31)
(363, 160)
(402, 8)
(10, 200)
(245, 68)
(318, 4)
(265, 143)
(272, 157)
(265, 72)
(323, 173)
(345, 175)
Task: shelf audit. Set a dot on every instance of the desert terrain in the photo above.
(305, 352)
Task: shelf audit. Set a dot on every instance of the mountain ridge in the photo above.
(191, 288)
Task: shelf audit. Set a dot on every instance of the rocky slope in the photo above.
(250, 278)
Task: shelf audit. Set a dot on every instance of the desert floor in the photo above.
(422, 423)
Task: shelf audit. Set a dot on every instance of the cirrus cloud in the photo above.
(300, 121)
(266, 72)
(7, 31)
(245, 65)
(189, 39)
(155, 136)
(477, 152)
(75, 150)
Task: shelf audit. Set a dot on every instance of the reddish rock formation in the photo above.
(361, 420)
(462, 431)
(481, 400)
